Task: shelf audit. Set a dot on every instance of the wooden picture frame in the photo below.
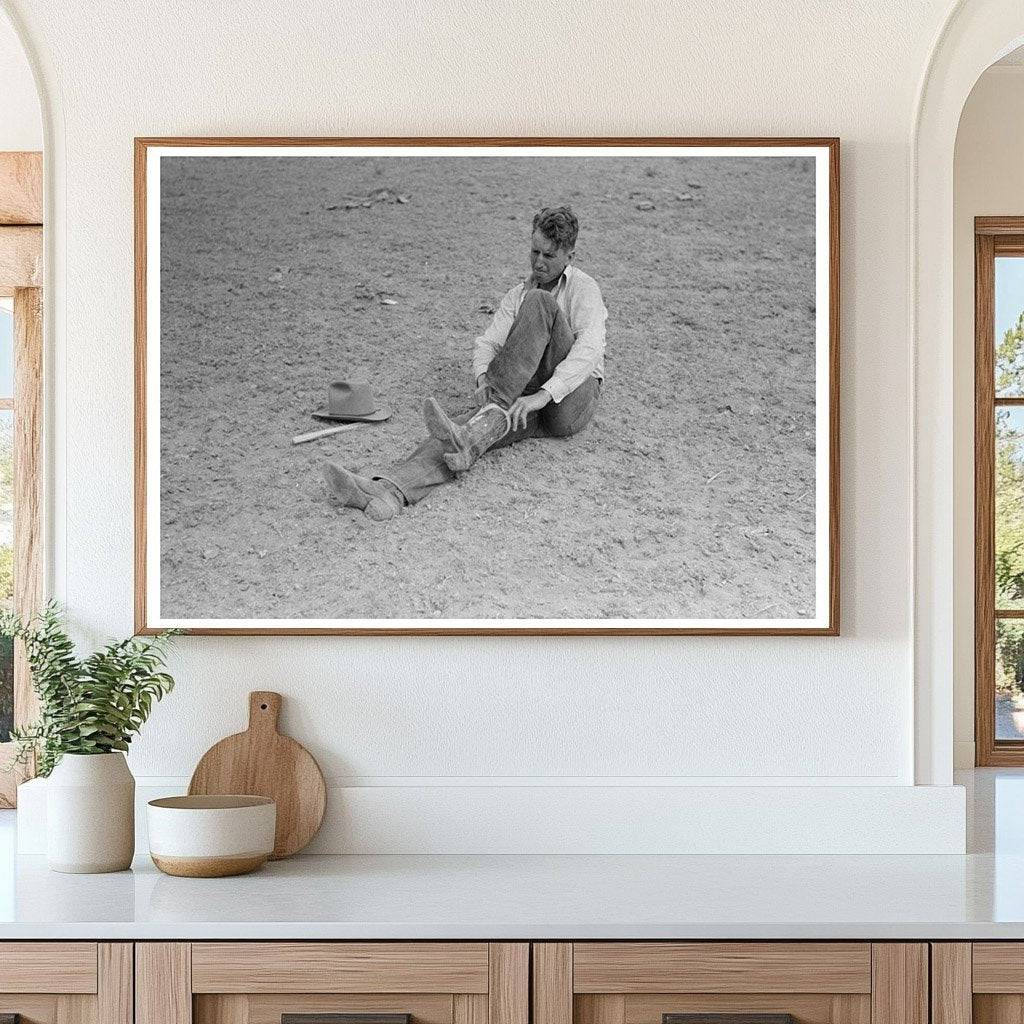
(824, 308)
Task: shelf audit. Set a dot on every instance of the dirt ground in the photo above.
(690, 496)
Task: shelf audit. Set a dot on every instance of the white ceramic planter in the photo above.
(90, 814)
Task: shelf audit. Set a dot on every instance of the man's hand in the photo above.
(523, 406)
(481, 381)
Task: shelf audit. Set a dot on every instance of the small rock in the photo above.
(684, 197)
(388, 302)
(694, 184)
(645, 206)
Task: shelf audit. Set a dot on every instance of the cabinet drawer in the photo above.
(260, 982)
(630, 967)
(998, 967)
(752, 982)
(48, 967)
(340, 967)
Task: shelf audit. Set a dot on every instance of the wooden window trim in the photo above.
(21, 268)
(993, 236)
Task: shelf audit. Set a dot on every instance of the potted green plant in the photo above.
(89, 710)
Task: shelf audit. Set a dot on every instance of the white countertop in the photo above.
(977, 896)
(532, 897)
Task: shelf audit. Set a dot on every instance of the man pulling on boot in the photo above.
(538, 366)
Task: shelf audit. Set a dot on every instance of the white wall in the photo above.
(988, 181)
(445, 712)
(21, 125)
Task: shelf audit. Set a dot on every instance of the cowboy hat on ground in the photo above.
(351, 402)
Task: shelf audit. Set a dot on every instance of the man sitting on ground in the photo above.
(538, 366)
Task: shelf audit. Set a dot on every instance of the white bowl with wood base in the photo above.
(211, 836)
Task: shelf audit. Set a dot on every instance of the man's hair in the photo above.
(559, 224)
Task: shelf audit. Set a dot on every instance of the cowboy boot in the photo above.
(374, 498)
(483, 430)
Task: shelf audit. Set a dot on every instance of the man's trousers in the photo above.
(539, 339)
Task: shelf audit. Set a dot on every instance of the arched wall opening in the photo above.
(986, 183)
(976, 34)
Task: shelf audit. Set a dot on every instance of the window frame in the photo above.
(993, 237)
(21, 270)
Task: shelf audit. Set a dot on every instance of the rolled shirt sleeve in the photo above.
(587, 315)
(487, 346)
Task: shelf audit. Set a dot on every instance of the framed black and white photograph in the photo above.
(493, 386)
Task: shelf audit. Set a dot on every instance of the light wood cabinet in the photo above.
(979, 982)
(66, 982)
(647, 982)
(494, 983)
(261, 982)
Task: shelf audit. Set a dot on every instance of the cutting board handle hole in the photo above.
(263, 707)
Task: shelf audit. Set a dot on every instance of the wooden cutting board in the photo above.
(262, 762)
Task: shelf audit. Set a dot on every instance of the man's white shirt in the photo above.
(579, 298)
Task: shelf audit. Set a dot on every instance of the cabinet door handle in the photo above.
(728, 1018)
(339, 1018)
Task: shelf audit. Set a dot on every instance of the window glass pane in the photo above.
(1009, 533)
(1009, 324)
(1009, 679)
(6, 348)
(6, 567)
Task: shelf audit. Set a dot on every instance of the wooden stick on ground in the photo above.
(326, 432)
